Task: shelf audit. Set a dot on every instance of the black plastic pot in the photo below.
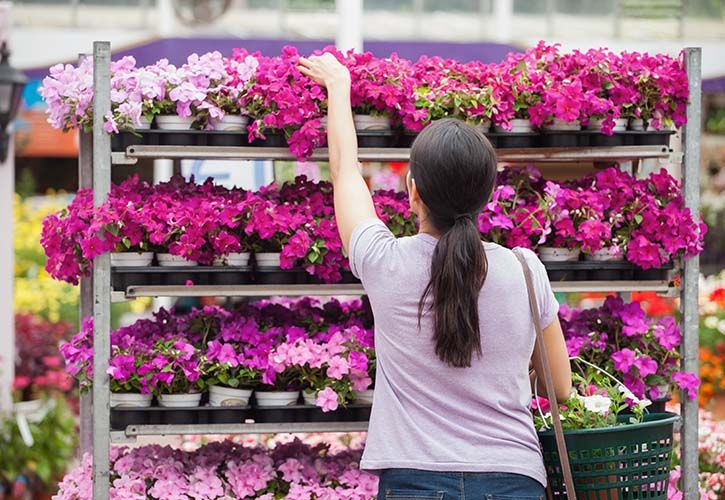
(119, 142)
(653, 138)
(598, 139)
(510, 141)
(123, 417)
(227, 414)
(226, 138)
(178, 138)
(559, 139)
(375, 138)
(405, 138)
(656, 274)
(272, 140)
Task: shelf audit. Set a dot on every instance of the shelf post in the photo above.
(691, 273)
(85, 299)
(101, 275)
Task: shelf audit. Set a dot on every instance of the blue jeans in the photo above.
(413, 484)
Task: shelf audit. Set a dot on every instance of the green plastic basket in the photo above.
(615, 463)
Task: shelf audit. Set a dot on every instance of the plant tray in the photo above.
(201, 415)
(375, 138)
(603, 271)
(123, 277)
(156, 137)
(304, 413)
(198, 415)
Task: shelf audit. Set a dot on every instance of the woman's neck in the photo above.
(426, 227)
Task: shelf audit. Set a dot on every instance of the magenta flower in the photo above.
(623, 359)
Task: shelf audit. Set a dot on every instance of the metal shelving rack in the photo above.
(96, 160)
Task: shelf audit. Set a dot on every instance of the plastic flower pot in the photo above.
(484, 127)
(227, 396)
(179, 400)
(309, 397)
(614, 463)
(174, 122)
(130, 400)
(369, 122)
(231, 123)
(131, 259)
(563, 126)
(363, 397)
(375, 138)
(620, 125)
(552, 254)
(144, 124)
(637, 124)
(267, 259)
(518, 126)
(235, 259)
(272, 140)
(170, 260)
(604, 255)
(276, 399)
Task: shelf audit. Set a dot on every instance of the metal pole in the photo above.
(503, 11)
(7, 252)
(101, 274)
(550, 11)
(85, 180)
(349, 25)
(691, 272)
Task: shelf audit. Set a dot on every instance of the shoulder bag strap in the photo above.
(548, 379)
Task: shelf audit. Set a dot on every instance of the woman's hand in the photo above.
(325, 70)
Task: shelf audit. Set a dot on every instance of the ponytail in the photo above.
(457, 273)
(454, 169)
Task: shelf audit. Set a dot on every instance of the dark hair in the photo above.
(454, 168)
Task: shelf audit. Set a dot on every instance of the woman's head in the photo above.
(452, 175)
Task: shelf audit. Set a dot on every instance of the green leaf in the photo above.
(233, 382)
(638, 218)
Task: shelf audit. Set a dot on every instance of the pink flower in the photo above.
(337, 367)
(327, 399)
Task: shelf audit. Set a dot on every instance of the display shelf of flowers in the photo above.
(543, 98)
(286, 365)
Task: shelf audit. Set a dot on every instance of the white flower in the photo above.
(596, 403)
(711, 322)
(644, 403)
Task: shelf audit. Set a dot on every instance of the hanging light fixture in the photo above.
(12, 82)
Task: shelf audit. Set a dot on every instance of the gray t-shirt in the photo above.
(430, 416)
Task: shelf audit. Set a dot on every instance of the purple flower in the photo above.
(623, 360)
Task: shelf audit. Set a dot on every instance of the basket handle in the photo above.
(549, 381)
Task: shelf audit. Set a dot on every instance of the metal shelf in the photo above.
(622, 153)
(357, 289)
(133, 431)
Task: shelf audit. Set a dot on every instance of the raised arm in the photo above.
(353, 202)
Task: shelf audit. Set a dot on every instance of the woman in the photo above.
(454, 334)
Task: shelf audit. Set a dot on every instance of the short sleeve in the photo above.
(548, 305)
(371, 249)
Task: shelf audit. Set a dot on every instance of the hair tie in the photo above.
(463, 216)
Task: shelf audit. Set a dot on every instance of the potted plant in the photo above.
(602, 415)
(224, 103)
(379, 88)
(129, 378)
(288, 114)
(520, 87)
(176, 373)
(516, 214)
(226, 374)
(621, 339)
